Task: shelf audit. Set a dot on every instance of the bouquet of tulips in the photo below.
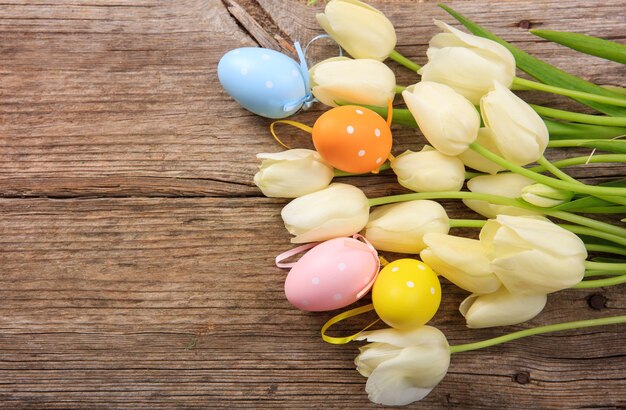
(537, 234)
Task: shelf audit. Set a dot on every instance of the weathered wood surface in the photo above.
(136, 255)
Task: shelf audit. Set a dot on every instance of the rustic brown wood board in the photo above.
(136, 254)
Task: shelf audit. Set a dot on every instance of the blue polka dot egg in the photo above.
(264, 81)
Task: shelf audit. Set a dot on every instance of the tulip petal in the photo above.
(460, 260)
(521, 135)
(372, 355)
(501, 308)
(474, 160)
(390, 383)
(404, 338)
(478, 42)
(446, 118)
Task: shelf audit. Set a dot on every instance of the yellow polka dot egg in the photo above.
(406, 294)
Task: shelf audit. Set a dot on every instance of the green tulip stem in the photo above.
(398, 89)
(596, 247)
(563, 176)
(591, 273)
(600, 283)
(583, 160)
(554, 170)
(400, 59)
(619, 234)
(568, 162)
(583, 230)
(467, 223)
(523, 84)
(579, 118)
(555, 183)
(537, 331)
(613, 267)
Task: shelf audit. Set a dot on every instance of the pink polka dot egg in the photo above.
(332, 275)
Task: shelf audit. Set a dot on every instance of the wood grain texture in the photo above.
(136, 255)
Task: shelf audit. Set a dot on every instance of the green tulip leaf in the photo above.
(588, 202)
(594, 46)
(566, 130)
(543, 71)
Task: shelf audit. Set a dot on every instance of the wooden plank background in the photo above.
(136, 254)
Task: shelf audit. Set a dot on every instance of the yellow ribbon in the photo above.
(389, 112)
(296, 124)
(342, 316)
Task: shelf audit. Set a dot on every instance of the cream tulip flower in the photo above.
(429, 171)
(402, 366)
(545, 196)
(531, 254)
(400, 227)
(447, 119)
(501, 308)
(292, 173)
(509, 185)
(520, 134)
(360, 29)
(473, 159)
(335, 211)
(467, 63)
(362, 81)
(460, 260)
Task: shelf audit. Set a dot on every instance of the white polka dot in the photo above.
(305, 302)
(379, 160)
(269, 84)
(236, 52)
(341, 266)
(265, 56)
(350, 129)
(315, 281)
(362, 153)
(395, 269)
(295, 73)
(337, 296)
(244, 71)
(432, 291)
(359, 112)
(377, 132)
(367, 279)
(410, 284)
(421, 267)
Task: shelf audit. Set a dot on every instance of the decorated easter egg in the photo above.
(406, 294)
(352, 139)
(264, 81)
(332, 275)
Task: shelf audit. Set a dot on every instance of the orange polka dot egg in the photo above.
(352, 138)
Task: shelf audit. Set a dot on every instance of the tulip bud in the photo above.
(447, 119)
(545, 196)
(508, 185)
(531, 254)
(402, 366)
(429, 171)
(473, 159)
(501, 308)
(335, 211)
(362, 81)
(360, 29)
(520, 134)
(292, 173)
(400, 227)
(460, 260)
(467, 63)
